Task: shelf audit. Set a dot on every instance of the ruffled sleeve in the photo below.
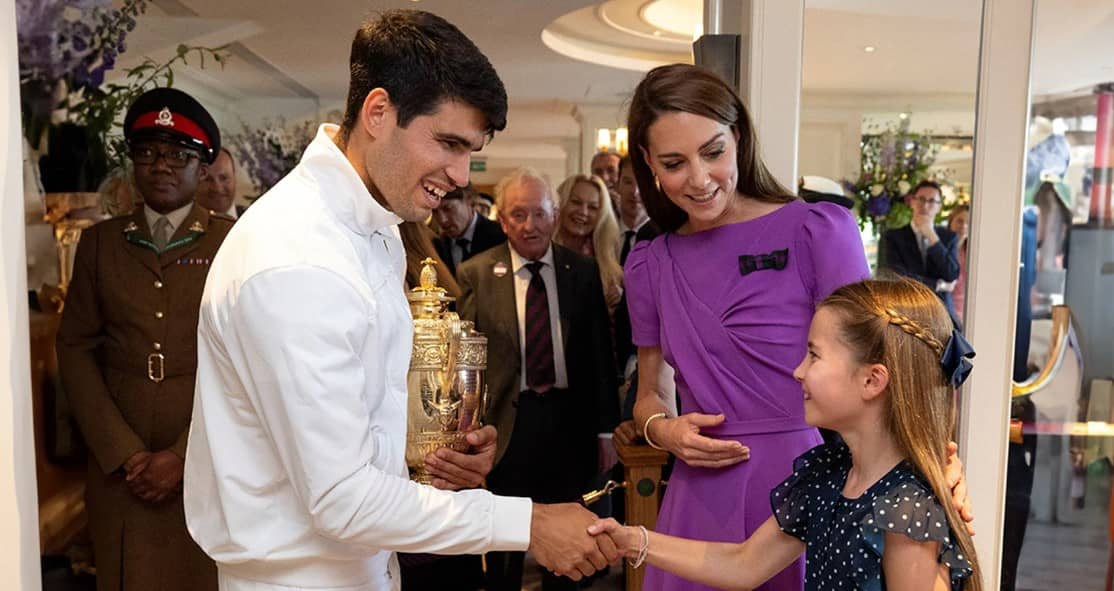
(809, 489)
(830, 239)
(639, 275)
(910, 509)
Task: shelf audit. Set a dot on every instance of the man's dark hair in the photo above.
(421, 60)
(929, 184)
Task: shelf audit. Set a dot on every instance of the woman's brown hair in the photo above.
(902, 325)
(681, 88)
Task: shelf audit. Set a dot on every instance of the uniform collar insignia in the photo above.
(131, 227)
(165, 118)
(196, 227)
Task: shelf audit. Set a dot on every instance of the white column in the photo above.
(1002, 115)
(770, 79)
(19, 524)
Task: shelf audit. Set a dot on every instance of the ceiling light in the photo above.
(870, 49)
(903, 115)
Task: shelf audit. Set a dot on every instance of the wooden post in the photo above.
(642, 471)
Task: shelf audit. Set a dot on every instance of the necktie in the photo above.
(922, 243)
(463, 243)
(540, 372)
(161, 232)
(628, 240)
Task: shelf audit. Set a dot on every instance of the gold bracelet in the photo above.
(643, 551)
(646, 429)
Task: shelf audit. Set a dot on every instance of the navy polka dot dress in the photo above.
(845, 537)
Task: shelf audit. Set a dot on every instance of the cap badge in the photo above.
(165, 118)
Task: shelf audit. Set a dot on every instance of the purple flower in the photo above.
(878, 206)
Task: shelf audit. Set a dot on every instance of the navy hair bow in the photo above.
(956, 359)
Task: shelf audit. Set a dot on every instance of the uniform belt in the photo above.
(155, 366)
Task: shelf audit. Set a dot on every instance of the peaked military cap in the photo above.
(174, 116)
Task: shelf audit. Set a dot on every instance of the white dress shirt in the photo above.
(632, 238)
(522, 276)
(295, 472)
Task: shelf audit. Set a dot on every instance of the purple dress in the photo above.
(730, 309)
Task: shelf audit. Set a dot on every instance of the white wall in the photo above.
(19, 524)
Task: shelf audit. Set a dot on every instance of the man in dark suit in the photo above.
(127, 350)
(542, 305)
(635, 226)
(217, 190)
(463, 231)
(922, 250)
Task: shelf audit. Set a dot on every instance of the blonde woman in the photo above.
(586, 224)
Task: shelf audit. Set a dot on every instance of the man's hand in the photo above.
(160, 479)
(954, 473)
(559, 540)
(926, 227)
(452, 470)
(626, 433)
(134, 465)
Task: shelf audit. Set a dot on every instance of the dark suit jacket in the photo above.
(488, 300)
(901, 254)
(624, 348)
(486, 235)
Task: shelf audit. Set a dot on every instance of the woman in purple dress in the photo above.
(720, 307)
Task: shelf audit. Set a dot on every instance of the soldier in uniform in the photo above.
(127, 350)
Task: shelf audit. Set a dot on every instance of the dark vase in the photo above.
(76, 160)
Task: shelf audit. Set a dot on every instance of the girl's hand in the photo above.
(627, 539)
(681, 436)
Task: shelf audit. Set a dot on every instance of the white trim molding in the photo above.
(1002, 115)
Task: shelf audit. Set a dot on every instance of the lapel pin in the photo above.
(131, 227)
(196, 227)
(500, 269)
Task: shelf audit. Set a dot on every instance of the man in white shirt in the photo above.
(295, 474)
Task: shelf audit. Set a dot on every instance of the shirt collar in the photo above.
(623, 229)
(471, 229)
(341, 187)
(518, 262)
(175, 217)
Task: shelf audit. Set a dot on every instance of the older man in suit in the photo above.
(922, 250)
(127, 350)
(464, 232)
(540, 304)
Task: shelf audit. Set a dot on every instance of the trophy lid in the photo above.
(428, 300)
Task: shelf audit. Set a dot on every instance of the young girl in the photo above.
(881, 368)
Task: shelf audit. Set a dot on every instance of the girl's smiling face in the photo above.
(830, 375)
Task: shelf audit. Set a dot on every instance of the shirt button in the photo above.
(158, 284)
(158, 315)
(158, 346)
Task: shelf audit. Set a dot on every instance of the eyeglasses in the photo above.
(927, 200)
(147, 156)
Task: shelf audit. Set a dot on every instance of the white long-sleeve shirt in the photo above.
(295, 472)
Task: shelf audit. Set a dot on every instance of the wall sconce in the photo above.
(604, 143)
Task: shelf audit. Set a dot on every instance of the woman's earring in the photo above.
(657, 183)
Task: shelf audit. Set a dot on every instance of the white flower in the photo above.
(903, 187)
(876, 189)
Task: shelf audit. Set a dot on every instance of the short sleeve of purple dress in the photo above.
(730, 309)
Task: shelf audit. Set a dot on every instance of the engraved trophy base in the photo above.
(419, 445)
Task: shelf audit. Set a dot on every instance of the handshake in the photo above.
(561, 542)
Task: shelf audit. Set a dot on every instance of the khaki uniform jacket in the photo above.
(127, 351)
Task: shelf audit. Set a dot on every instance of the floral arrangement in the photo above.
(66, 47)
(270, 152)
(892, 162)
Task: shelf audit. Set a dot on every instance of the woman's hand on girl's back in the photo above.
(681, 436)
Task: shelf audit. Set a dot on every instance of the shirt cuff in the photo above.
(511, 527)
